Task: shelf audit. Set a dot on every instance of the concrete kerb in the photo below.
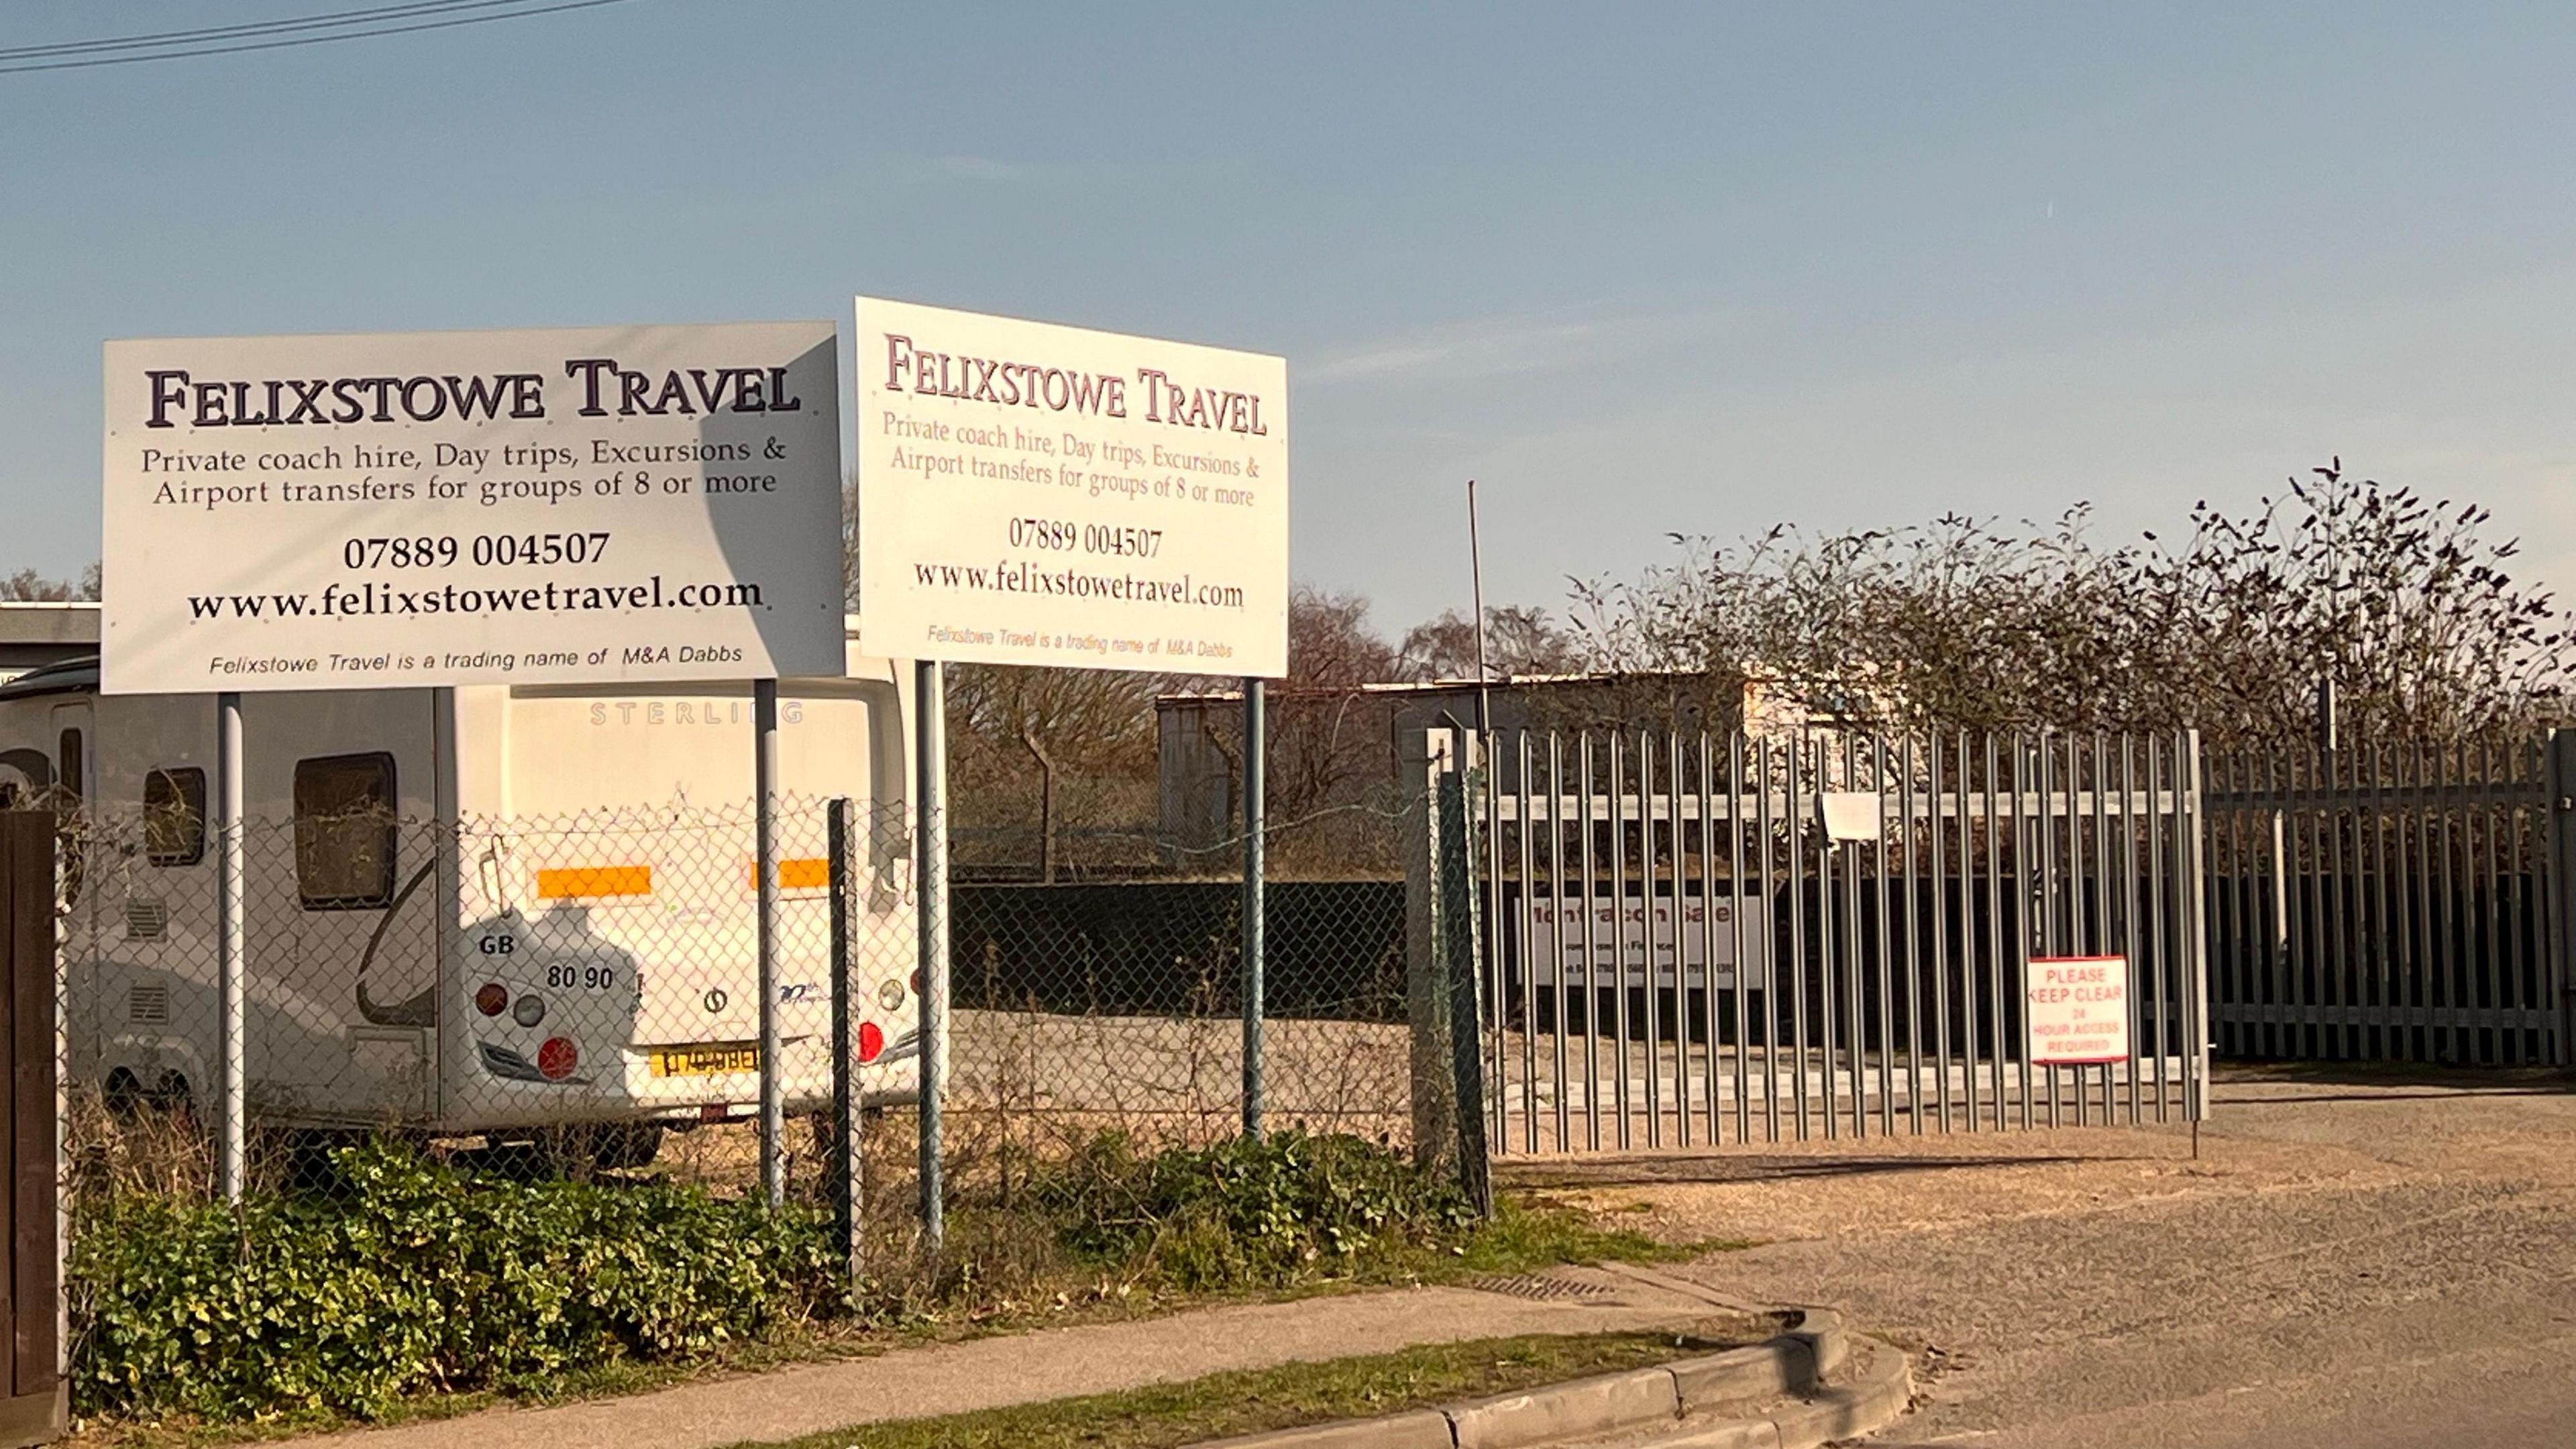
(1794, 1363)
(1876, 1397)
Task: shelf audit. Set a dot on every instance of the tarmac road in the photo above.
(2358, 1260)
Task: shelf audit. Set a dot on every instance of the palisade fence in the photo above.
(2390, 903)
(1694, 941)
(578, 996)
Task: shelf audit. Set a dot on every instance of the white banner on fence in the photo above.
(1036, 494)
(439, 508)
(1620, 932)
(2077, 1010)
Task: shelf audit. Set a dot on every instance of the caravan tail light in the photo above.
(558, 1058)
(492, 998)
(871, 1041)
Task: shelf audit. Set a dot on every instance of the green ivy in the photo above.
(419, 1277)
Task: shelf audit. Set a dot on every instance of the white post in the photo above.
(230, 1013)
(930, 882)
(764, 809)
(1255, 752)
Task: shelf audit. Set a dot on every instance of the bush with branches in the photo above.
(2406, 605)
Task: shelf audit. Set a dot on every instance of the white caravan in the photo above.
(489, 910)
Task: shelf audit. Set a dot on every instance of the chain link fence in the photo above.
(580, 996)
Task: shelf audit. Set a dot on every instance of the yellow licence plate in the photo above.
(712, 1060)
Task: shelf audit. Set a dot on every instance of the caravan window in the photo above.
(69, 770)
(344, 832)
(174, 817)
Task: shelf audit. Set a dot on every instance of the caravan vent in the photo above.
(146, 919)
(149, 1005)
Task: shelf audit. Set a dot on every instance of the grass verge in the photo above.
(1254, 1401)
(1529, 1232)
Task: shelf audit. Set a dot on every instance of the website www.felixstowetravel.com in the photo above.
(1022, 578)
(376, 601)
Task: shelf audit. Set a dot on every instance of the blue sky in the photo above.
(1640, 269)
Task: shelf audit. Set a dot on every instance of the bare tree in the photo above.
(1332, 644)
(1519, 641)
(1322, 741)
(26, 586)
(850, 542)
(1014, 728)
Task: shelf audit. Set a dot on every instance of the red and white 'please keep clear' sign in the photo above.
(2077, 1010)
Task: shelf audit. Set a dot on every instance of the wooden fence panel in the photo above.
(30, 1291)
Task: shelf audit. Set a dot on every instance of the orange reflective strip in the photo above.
(580, 881)
(810, 874)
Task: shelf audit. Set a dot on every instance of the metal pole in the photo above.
(1255, 748)
(2195, 938)
(764, 830)
(849, 1196)
(930, 872)
(1476, 590)
(229, 948)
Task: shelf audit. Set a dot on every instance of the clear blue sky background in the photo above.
(1640, 269)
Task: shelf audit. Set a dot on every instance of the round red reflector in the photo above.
(871, 1041)
(557, 1058)
(492, 998)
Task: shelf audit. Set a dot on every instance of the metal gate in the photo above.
(1690, 942)
(2392, 904)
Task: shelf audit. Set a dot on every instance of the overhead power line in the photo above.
(373, 21)
(370, 15)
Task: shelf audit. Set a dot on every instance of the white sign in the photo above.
(1620, 930)
(440, 508)
(1852, 816)
(1035, 494)
(2077, 1010)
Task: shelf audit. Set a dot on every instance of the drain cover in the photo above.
(1540, 1286)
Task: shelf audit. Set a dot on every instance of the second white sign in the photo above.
(1037, 494)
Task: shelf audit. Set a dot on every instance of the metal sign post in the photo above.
(930, 873)
(849, 1097)
(764, 830)
(1255, 730)
(229, 1169)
